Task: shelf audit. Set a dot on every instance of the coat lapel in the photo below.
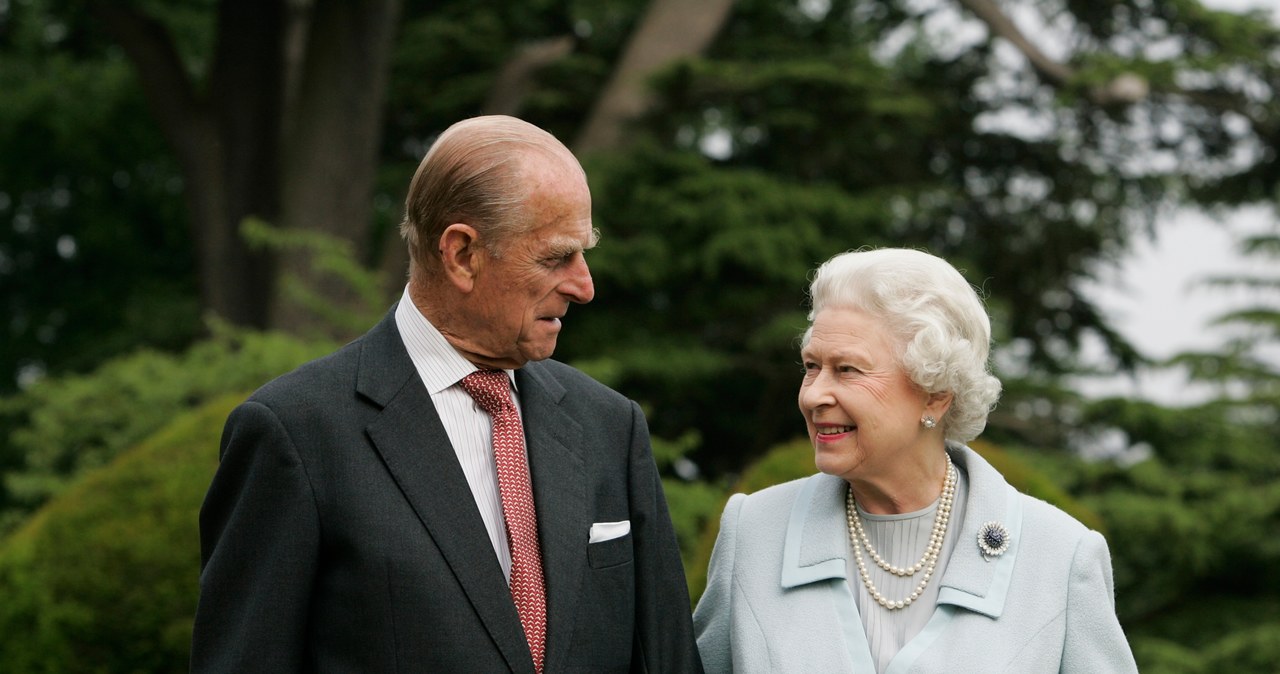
(558, 470)
(416, 451)
(816, 549)
(971, 581)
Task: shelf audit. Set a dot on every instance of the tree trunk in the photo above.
(669, 31)
(331, 142)
(286, 130)
(226, 141)
(515, 80)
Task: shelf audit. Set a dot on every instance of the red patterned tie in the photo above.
(492, 392)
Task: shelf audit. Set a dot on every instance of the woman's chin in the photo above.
(832, 461)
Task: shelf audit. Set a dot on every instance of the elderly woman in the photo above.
(907, 552)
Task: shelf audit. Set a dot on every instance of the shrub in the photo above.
(105, 577)
(67, 425)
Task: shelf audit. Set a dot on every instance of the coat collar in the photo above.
(816, 544)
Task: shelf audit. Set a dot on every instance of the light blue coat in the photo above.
(778, 599)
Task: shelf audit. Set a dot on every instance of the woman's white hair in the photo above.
(937, 318)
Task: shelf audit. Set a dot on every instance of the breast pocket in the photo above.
(609, 553)
(605, 624)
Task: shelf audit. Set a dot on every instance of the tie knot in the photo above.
(491, 390)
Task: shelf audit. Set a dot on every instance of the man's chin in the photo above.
(539, 354)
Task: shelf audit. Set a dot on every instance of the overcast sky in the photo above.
(1154, 299)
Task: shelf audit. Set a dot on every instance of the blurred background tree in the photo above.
(731, 145)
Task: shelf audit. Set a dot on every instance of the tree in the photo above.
(807, 130)
(93, 261)
(1246, 370)
(669, 31)
(241, 137)
(843, 123)
(1192, 522)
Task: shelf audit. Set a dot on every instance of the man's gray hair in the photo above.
(474, 173)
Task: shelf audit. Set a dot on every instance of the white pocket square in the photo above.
(607, 531)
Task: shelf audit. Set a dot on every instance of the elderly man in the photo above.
(438, 496)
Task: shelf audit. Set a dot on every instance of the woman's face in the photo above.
(862, 411)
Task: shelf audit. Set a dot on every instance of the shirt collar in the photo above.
(438, 363)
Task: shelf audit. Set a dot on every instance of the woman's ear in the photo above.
(461, 255)
(938, 404)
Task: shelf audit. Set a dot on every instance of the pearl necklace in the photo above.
(927, 563)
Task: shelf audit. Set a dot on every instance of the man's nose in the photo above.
(579, 286)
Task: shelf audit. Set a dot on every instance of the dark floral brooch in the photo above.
(993, 539)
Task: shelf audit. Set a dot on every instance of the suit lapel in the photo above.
(416, 450)
(556, 464)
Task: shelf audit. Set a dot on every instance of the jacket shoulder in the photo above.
(573, 379)
(1047, 516)
(776, 501)
(334, 371)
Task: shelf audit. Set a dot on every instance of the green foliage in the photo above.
(64, 426)
(783, 463)
(331, 256)
(713, 299)
(1193, 530)
(1035, 482)
(1020, 211)
(104, 579)
(1245, 369)
(94, 255)
(691, 502)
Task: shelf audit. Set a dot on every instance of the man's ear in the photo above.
(461, 255)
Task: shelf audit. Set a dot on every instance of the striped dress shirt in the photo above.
(469, 428)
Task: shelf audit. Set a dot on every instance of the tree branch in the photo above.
(1003, 26)
(510, 89)
(669, 30)
(165, 83)
(1124, 89)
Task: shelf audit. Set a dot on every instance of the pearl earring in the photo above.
(928, 422)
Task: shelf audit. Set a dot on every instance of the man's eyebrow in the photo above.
(562, 247)
(565, 245)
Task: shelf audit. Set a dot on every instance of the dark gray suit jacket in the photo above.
(340, 535)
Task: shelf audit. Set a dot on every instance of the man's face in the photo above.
(521, 295)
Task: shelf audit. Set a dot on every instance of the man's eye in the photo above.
(559, 260)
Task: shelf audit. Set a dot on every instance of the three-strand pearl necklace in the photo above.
(927, 563)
